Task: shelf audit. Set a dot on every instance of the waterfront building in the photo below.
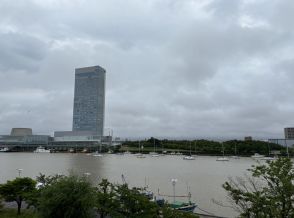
(289, 132)
(21, 132)
(89, 100)
(24, 138)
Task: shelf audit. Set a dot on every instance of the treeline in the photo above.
(75, 197)
(206, 147)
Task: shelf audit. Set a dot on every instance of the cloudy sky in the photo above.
(175, 68)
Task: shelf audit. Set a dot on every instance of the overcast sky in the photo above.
(175, 68)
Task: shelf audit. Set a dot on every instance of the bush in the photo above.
(70, 196)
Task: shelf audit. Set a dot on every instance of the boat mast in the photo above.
(190, 149)
(174, 181)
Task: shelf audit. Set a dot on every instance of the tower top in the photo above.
(96, 68)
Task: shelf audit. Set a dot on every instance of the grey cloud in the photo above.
(20, 52)
(174, 68)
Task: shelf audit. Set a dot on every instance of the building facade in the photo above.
(289, 133)
(89, 100)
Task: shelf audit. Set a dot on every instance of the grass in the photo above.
(12, 213)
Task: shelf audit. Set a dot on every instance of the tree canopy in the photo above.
(18, 190)
(68, 196)
(268, 193)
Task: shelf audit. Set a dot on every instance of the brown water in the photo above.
(204, 175)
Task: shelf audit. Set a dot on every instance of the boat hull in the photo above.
(186, 207)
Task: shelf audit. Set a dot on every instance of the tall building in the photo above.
(289, 132)
(89, 100)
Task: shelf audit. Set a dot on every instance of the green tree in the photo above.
(106, 199)
(168, 212)
(1, 204)
(44, 180)
(268, 193)
(18, 190)
(68, 196)
(134, 204)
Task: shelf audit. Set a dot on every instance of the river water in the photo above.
(204, 175)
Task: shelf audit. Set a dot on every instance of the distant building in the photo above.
(248, 138)
(21, 131)
(23, 137)
(289, 132)
(89, 100)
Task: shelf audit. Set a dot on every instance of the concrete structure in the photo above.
(289, 132)
(23, 137)
(89, 100)
(21, 132)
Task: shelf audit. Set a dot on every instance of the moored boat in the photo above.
(41, 149)
(268, 158)
(183, 206)
(189, 158)
(5, 149)
(141, 156)
(97, 154)
(222, 159)
(177, 205)
(256, 156)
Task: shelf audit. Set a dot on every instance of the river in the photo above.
(204, 175)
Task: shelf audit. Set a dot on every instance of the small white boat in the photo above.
(235, 156)
(268, 158)
(222, 159)
(154, 154)
(97, 154)
(189, 158)
(141, 156)
(256, 155)
(5, 149)
(41, 149)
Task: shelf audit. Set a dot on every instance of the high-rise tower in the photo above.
(89, 100)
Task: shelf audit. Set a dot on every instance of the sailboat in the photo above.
(269, 153)
(154, 153)
(97, 154)
(236, 156)
(178, 205)
(140, 155)
(190, 157)
(223, 158)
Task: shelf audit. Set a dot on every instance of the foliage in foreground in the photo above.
(70, 196)
(74, 197)
(118, 201)
(18, 190)
(268, 193)
(11, 213)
